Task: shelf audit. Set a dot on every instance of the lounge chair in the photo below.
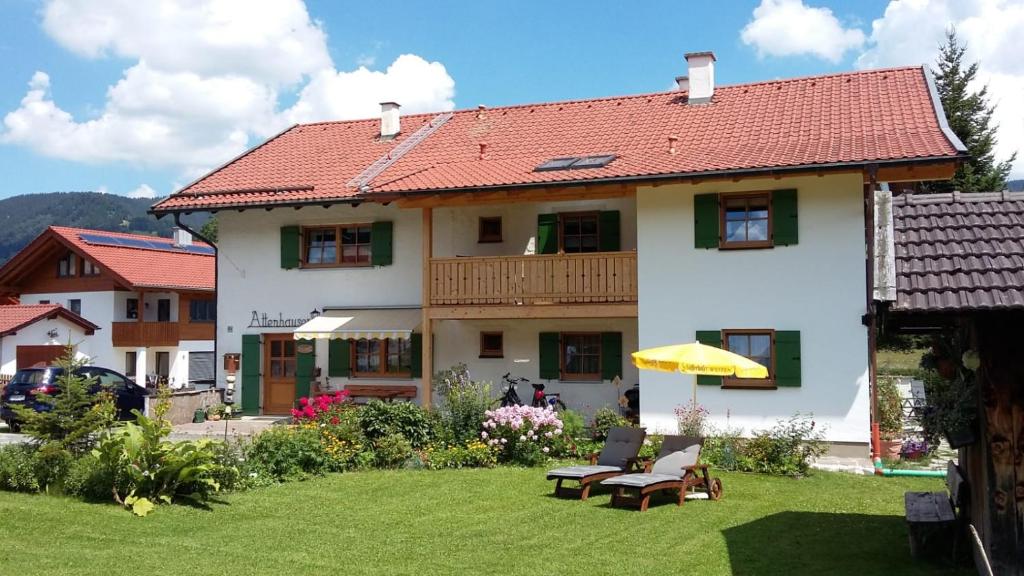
(678, 467)
(619, 456)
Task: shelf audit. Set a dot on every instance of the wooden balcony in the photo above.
(594, 278)
(133, 334)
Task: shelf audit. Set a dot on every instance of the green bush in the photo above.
(572, 424)
(890, 409)
(51, 463)
(606, 419)
(463, 403)
(284, 453)
(381, 419)
(233, 471)
(392, 450)
(476, 454)
(785, 449)
(17, 468)
(724, 449)
(87, 478)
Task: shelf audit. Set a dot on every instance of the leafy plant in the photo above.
(475, 454)
(785, 449)
(572, 424)
(890, 409)
(463, 402)
(88, 478)
(380, 419)
(392, 450)
(725, 449)
(288, 453)
(17, 468)
(604, 420)
(690, 419)
(522, 435)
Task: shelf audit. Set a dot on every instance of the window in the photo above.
(382, 357)
(131, 308)
(66, 265)
(163, 310)
(202, 310)
(337, 246)
(757, 345)
(492, 345)
(575, 163)
(579, 232)
(75, 305)
(746, 220)
(130, 360)
(89, 268)
(282, 358)
(581, 356)
(163, 367)
(490, 229)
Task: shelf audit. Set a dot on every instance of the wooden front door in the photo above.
(29, 356)
(278, 373)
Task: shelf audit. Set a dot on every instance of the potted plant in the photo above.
(216, 412)
(890, 418)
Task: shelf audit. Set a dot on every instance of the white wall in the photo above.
(38, 334)
(98, 308)
(149, 306)
(816, 287)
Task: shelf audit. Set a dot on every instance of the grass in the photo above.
(500, 521)
(899, 362)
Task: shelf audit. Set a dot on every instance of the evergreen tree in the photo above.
(970, 117)
(209, 230)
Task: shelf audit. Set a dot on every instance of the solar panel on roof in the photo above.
(592, 162)
(556, 164)
(144, 244)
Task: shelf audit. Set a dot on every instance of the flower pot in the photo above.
(892, 448)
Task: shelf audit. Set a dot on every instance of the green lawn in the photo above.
(899, 362)
(501, 521)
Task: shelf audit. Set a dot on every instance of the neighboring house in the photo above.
(959, 266)
(152, 298)
(38, 333)
(552, 240)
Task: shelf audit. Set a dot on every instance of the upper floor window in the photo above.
(202, 310)
(490, 229)
(89, 268)
(66, 266)
(579, 232)
(746, 220)
(131, 308)
(382, 357)
(347, 245)
(757, 345)
(75, 305)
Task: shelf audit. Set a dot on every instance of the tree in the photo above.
(970, 118)
(209, 230)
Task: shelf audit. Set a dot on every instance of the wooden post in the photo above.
(428, 339)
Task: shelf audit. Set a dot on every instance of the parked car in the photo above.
(27, 384)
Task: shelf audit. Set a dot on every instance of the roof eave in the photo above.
(940, 114)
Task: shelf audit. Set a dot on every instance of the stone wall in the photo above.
(184, 403)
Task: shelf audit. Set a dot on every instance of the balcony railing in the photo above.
(601, 277)
(145, 333)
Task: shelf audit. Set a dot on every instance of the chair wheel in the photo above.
(715, 492)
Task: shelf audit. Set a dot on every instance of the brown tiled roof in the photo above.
(851, 118)
(959, 251)
(14, 317)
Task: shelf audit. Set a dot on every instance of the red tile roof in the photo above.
(852, 118)
(14, 317)
(134, 267)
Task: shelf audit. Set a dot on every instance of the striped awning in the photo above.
(357, 324)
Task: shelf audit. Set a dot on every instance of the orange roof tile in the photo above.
(851, 118)
(14, 317)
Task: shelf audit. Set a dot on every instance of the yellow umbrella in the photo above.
(697, 358)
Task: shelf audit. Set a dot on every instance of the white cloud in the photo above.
(910, 32)
(204, 82)
(791, 28)
(143, 191)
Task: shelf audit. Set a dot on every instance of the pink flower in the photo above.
(483, 435)
(304, 401)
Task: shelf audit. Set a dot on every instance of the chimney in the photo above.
(181, 237)
(683, 83)
(390, 124)
(701, 76)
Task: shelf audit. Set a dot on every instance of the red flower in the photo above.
(335, 420)
(308, 412)
(304, 401)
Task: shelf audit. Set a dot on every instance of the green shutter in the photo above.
(416, 351)
(289, 247)
(705, 220)
(610, 231)
(549, 365)
(787, 358)
(611, 355)
(381, 243)
(785, 231)
(338, 358)
(305, 363)
(710, 338)
(547, 234)
(251, 374)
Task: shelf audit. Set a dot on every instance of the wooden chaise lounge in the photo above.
(619, 456)
(678, 467)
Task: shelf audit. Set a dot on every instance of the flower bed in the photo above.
(522, 434)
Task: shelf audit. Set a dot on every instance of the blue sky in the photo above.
(117, 108)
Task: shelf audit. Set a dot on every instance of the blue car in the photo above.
(28, 384)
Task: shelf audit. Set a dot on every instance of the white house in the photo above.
(150, 300)
(551, 240)
(33, 333)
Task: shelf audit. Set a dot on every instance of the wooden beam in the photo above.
(915, 172)
(427, 243)
(535, 311)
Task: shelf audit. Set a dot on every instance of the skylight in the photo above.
(575, 163)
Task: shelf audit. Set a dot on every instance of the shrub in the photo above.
(339, 425)
(890, 409)
(690, 419)
(475, 454)
(51, 463)
(17, 468)
(233, 471)
(724, 449)
(785, 449)
(392, 450)
(572, 424)
(522, 435)
(288, 453)
(380, 419)
(604, 420)
(463, 402)
(89, 479)
(651, 446)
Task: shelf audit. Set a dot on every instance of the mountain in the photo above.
(1015, 185)
(24, 217)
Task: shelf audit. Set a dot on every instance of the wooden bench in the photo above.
(385, 392)
(935, 519)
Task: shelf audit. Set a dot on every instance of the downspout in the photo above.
(216, 284)
(870, 319)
